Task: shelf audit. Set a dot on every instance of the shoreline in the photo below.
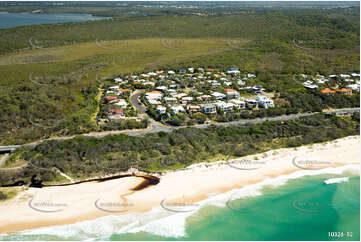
(193, 184)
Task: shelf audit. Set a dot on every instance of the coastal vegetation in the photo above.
(49, 87)
(84, 157)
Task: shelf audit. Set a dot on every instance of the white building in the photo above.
(218, 95)
(161, 109)
(265, 102)
(121, 103)
(239, 103)
(232, 94)
(177, 109)
(154, 95)
(225, 106)
(208, 108)
(354, 87)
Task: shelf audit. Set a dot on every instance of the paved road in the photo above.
(134, 100)
(155, 127)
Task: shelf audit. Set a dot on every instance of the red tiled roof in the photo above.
(229, 90)
(123, 90)
(327, 90)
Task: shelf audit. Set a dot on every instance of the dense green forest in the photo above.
(84, 157)
(48, 72)
(268, 29)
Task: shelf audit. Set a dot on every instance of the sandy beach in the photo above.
(39, 207)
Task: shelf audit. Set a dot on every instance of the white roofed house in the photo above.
(170, 99)
(171, 72)
(239, 103)
(250, 75)
(226, 107)
(193, 108)
(233, 70)
(114, 87)
(177, 109)
(119, 80)
(152, 74)
(121, 103)
(187, 99)
(344, 76)
(265, 102)
(154, 95)
(162, 88)
(356, 76)
(218, 95)
(161, 109)
(309, 85)
(354, 87)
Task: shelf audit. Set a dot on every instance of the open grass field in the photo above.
(48, 72)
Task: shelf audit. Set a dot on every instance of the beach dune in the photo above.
(39, 207)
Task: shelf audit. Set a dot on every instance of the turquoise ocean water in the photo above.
(304, 208)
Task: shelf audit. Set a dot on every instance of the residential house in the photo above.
(180, 95)
(239, 103)
(257, 89)
(123, 91)
(233, 70)
(327, 91)
(193, 108)
(265, 102)
(115, 113)
(204, 98)
(110, 98)
(154, 95)
(344, 91)
(187, 99)
(170, 99)
(232, 94)
(208, 108)
(171, 72)
(344, 76)
(161, 88)
(218, 95)
(114, 87)
(161, 109)
(226, 107)
(250, 75)
(354, 87)
(355, 76)
(251, 103)
(121, 103)
(177, 109)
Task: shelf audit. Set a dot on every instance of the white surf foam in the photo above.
(336, 180)
(168, 224)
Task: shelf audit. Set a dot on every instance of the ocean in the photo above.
(10, 20)
(298, 206)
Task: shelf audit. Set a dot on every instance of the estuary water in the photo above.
(10, 20)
